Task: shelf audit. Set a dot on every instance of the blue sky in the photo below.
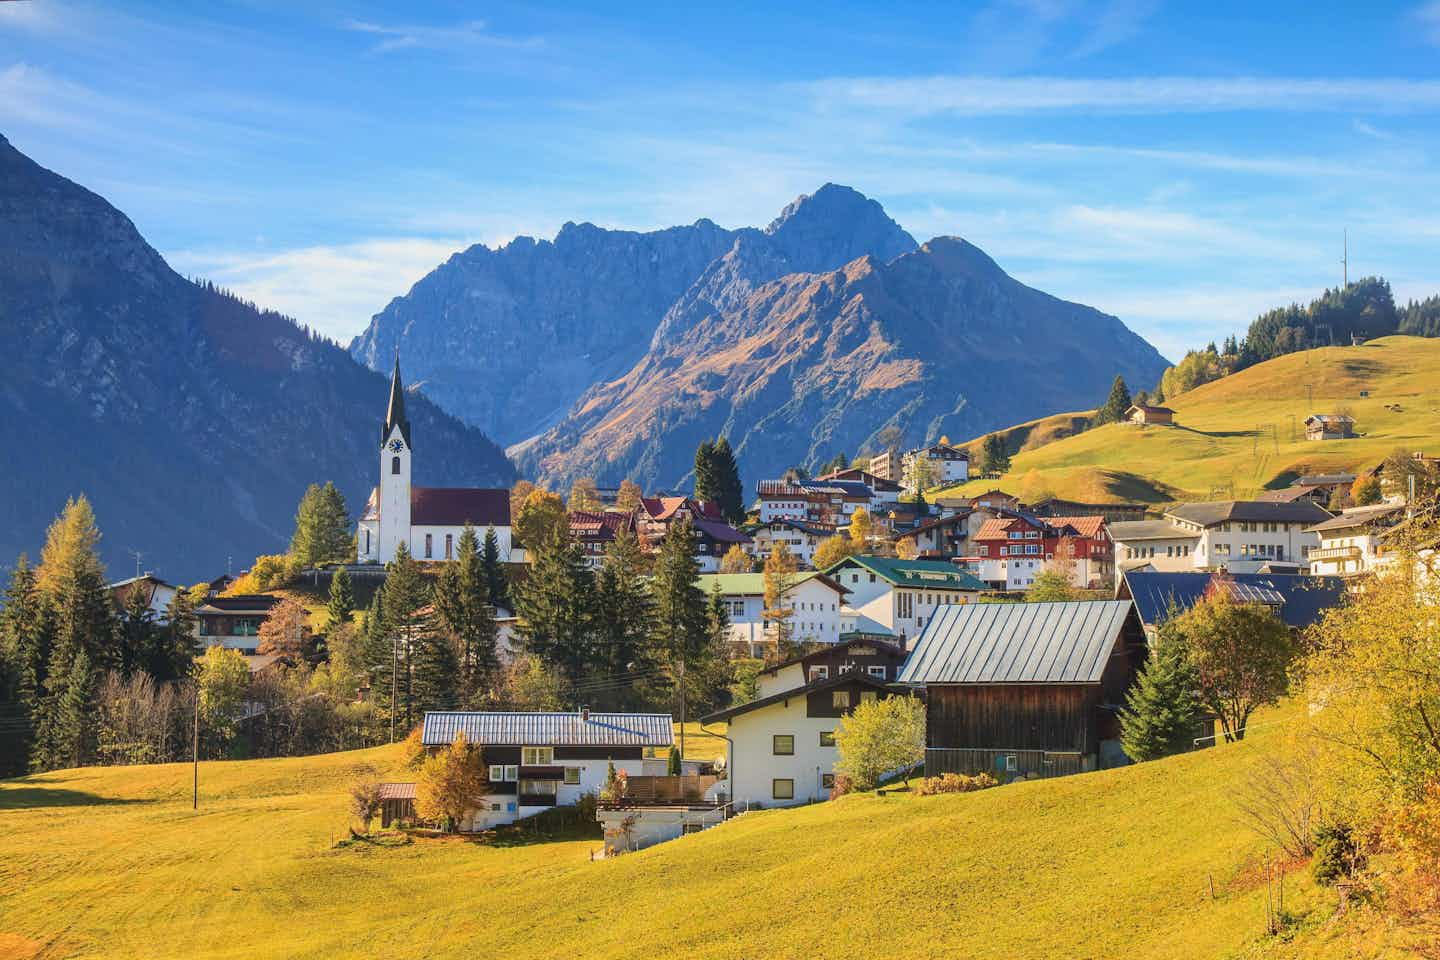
(1182, 166)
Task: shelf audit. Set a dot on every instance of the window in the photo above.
(827, 781)
(878, 672)
(827, 738)
(783, 744)
(494, 808)
(840, 699)
(1012, 764)
(429, 546)
(782, 789)
(819, 673)
(395, 466)
(497, 773)
(867, 696)
(540, 788)
(367, 541)
(537, 756)
(512, 772)
(449, 545)
(572, 775)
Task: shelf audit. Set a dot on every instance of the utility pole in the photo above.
(682, 709)
(394, 672)
(138, 555)
(195, 754)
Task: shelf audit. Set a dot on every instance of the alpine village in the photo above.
(652, 592)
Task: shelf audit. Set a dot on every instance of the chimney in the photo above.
(585, 713)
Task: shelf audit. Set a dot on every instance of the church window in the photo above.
(367, 541)
(429, 546)
(395, 466)
(449, 545)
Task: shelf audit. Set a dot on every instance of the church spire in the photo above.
(395, 414)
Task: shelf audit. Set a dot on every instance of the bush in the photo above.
(365, 802)
(412, 750)
(843, 785)
(955, 783)
(1337, 855)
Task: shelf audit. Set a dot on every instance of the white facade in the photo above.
(761, 773)
(800, 541)
(947, 464)
(815, 601)
(875, 605)
(502, 808)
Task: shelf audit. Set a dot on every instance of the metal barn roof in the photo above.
(1067, 642)
(1302, 599)
(550, 729)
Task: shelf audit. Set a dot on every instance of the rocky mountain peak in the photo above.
(834, 225)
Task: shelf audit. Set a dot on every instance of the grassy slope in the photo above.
(1216, 442)
(113, 863)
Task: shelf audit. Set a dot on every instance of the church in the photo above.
(428, 519)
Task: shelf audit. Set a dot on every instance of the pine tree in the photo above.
(463, 612)
(406, 592)
(706, 482)
(322, 527)
(623, 614)
(497, 589)
(678, 629)
(1162, 708)
(555, 604)
(70, 734)
(25, 640)
(717, 619)
(1116, 404)
(137, 632)
(435, 670)
(341, 605)
(174, 658)
(379, 653)
(726, 473)
(994, 455)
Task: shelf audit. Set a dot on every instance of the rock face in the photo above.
(795, 367)
(193, 421)
(509, 339)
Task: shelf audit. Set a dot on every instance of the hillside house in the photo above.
(1238, 535)
(1329, 426)
(990, 500)
(948, 464)
(875, 658)
(1318, 488)
(1147, 415)
(1011, 548)
(537, 761)
(157, 593)
(1112, 512)
(429, 520)
(781, 749)
(1353, 542)
(1300, 600)
(815, 598)
(1026, 689)
(596, 530)
(713, 536)
(882, 490)
(800, 537)
(899, 597)
(233, 622)
(940, 538)
(828, 502)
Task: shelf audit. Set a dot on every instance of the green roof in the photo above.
(744, 584)
(934, 574)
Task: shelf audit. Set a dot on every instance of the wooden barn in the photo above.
(1026, 689)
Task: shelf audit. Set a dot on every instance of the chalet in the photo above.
(940, 538)
(233, 622)
(948, 464)
(800, 537)
(541, 760)
(882, 490)
(429, 520)
(596, 530)
(157, 593)
(1026, 689)
(1146, 415)
(1319, 489)
(899, 597)
(1112, 512)
(1239, 535)
(829, 502)
(875, 658)
(1329, 426)
(1012, 547)
(815, 598)
(1353, 542)
(990, 499)
(782, 747)
(1300, 600)
(713, 536)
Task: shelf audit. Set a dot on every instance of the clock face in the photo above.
(397, 445)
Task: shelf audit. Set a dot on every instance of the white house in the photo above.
(815, 598)
(898, 597)
(1240, 535)
(782, 747)
(947, 464)
(157, 592)
(540, 760)
(877, 659)
(429, 520)
(800, 538)
(1352, 543)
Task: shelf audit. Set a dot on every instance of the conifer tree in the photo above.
(1162, 708)
(340, 607)
(706, 482)
(1116, 404)
(994, 455)
(435, 670)
(464, 613)
(726, 476)
(322, 527)
(623, 614)
(70, 725)
(138, 632)
(25, 651)
(555, 604)
(678, 629)
(717, 619)
(406, 592)
(174, 657)
(497, 590)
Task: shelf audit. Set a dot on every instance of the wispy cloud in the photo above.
(334, 289)
(472, 33)
(1116, 23)
(990, 95)
(1428, 16)
(1375, 133)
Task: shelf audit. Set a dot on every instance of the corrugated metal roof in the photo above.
(1302, 598)
(397, 791)
(550, 729)
(1066, 642)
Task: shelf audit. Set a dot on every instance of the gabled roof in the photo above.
(1329, 418)
(1088, 527)
(718, 530)
(1129, 531)
(804, 526)
(599, 524)
(928, 525)
(1302, 599)
(926, 574)
(839, 680)
(888, 645)
(1148, 408)
(753, 584)
(1360, 517)
(1255, 511)
(1325, 479)
(549, 729)
(1067, 642)
(862, 476)
(456, 506)
(240, 603)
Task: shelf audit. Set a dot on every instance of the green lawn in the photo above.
(113, 863)
(1235, 434)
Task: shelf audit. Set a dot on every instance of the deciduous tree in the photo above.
(322, 527)
(542, 518)
(779, 612)
(629, 496)
(832, 550)
(736, 560)
(878, 737)
(450, 783)
(285, 632)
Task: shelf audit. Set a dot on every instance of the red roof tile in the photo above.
(456, 506)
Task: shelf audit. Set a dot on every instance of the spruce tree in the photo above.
(70, 725)
(322, 527)
(497, 590)
(706, 482)
(555, 604)
(137, 632)
(1116, 404)
(340, 607)
(434, 670)
(1162, 709)
(174, 656)
(407, 590)
(622, 621)
(379, 653)
(726, 477)
(993, 453)
(25, 649)
(463, 612)
(678, 628)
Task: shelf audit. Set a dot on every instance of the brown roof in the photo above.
(599, 525)
(1090, 527)
(397, 791)
(455, 506)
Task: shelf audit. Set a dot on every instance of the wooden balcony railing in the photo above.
(663, 791)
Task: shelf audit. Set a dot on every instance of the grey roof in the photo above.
(1358, 517)
(550, 729)
(1068, 642)
(1130, 530)
(1256, 511)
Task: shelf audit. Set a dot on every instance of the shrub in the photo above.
(1337, 855)
(450, 783)
(365, 802)
(880, 737)
(843, 785)
(412, 750)
(955, 783)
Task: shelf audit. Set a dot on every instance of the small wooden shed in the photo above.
(1145, 414)
(1329, 426)
(397, 802)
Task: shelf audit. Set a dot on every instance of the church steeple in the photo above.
(395, 414)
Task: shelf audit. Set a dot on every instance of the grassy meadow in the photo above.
(1234, 436)
(112, 862)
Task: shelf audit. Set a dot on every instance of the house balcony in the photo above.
(644, 792)
(1334, 553)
